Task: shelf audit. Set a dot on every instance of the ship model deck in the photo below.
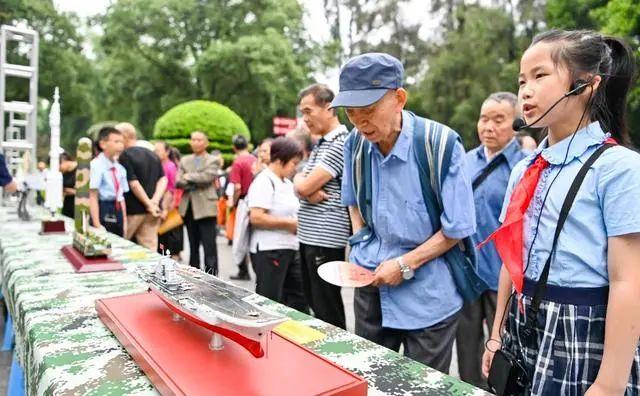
(213, 304)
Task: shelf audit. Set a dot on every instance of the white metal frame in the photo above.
(20, 135)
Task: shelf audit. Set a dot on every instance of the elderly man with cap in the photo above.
(399, 234)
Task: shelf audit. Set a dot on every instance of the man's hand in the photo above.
(387, 273)
(318, 197)
(153, 209)
(164, 214)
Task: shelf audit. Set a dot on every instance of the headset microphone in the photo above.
(519, 124)
(576, 88)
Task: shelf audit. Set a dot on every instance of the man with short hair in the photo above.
(147, 184)
(414, 300)
(323, 222)
(198, 206)
(489, 166)
(240, 177)
(108, 183)
(6, 181)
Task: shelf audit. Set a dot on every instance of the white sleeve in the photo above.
(260, 193)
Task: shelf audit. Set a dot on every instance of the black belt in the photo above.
(570, 295)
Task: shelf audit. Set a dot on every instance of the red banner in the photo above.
(282, 125)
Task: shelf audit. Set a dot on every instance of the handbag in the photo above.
(172, 221)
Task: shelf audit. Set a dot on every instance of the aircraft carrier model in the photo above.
(211, 303)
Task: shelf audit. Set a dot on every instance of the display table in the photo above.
(65, 349)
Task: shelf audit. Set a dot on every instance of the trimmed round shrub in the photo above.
(219, 122)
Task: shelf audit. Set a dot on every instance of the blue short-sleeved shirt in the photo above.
(5, 176)
(102, 178)
(401, 223)
(607, 205)
(488, 198)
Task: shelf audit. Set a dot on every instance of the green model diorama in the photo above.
(86, 242)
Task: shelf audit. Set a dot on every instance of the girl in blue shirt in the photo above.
(585, 339)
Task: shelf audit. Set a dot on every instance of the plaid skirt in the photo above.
(570, 342)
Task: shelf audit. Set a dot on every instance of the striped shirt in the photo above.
(327, 223)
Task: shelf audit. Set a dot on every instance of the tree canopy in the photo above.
(143, 57)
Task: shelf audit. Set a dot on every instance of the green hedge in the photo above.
(219, 122)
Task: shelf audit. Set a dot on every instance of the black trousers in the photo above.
(111, 218)
(470, 338)
(202, 232)
(431, 346)
(279, 277)
(324, 298)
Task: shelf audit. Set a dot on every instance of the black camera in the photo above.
(507, 375)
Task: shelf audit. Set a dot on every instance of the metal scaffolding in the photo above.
(18, 119)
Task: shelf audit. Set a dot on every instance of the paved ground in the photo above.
(226, 269)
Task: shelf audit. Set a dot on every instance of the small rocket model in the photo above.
(53, 200)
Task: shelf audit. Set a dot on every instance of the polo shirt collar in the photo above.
(587, 137)
(334, 133)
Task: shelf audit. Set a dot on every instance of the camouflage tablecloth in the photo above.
(66, 350)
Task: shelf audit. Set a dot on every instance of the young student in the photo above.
(108, 183)
(584, 338)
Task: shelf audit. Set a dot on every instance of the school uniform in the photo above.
(110, 179)
(571, 319)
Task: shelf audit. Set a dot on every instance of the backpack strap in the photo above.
(361, 175)
(433, 148)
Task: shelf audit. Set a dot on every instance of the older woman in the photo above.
(273, 216)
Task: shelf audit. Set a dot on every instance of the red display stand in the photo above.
(87, 264)
(176, 357)
(52, 227)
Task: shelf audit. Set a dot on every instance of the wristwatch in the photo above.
(407, 272)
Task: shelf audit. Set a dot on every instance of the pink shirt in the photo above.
(170, 171)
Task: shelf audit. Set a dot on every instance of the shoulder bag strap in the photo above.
(493, 165)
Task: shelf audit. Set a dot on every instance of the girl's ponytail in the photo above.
(617, 83)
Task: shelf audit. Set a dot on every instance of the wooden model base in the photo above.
(52, 227)
(88, 264)
(175, 354)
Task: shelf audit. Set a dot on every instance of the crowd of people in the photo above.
(535, 242)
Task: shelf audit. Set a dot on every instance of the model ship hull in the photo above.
(216, 305)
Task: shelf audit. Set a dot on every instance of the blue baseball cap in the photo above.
(365, 78)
